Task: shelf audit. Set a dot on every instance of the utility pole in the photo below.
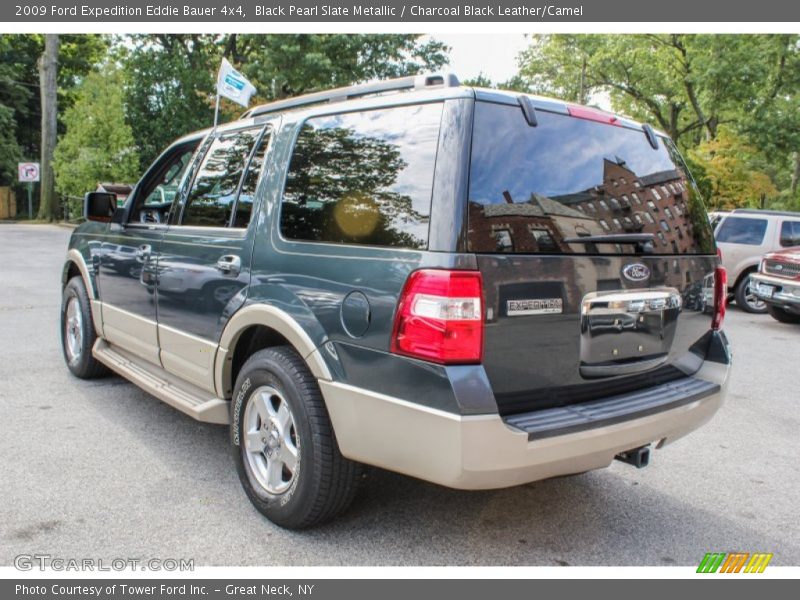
(48, 71)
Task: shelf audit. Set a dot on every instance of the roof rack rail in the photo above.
(765, 211)
(413, 82)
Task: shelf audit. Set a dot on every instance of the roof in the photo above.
(444, 84)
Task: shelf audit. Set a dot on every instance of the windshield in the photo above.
(537, 189)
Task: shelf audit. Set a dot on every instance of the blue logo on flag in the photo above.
(233, 81)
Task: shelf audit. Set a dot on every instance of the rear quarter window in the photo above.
(363, 178)
(742, 230)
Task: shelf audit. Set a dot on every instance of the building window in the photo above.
(503, 240)
(591, 208)
(603, 205)
(638, 218)
(652, 206)
(604, 225)
(656, 194)
(636, 198)
(664, 225)
(614, 203)
(649, 218)
(665, 190)
(543, 239)
(616, 223)
(669, 214)
(662, 238)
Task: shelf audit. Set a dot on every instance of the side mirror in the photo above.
(99, 206)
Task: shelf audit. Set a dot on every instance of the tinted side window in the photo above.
(790, 233)
(244, 204)
(739, 230)
(211, 198)
(363, 178)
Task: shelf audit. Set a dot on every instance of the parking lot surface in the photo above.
(101, 469)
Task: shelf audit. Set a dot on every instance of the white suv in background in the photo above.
(744, 236)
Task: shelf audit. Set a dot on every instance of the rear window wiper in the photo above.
(643, 241)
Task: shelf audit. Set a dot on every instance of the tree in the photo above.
(10, 152)
(481, 81)
(170, 79)
(169, 87)
(98, 144)
(48, 70)
(733, 171)
(691, 86)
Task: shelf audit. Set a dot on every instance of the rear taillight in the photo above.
(440, 317)
(720, 297)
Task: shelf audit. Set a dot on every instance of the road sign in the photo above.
(28, 172)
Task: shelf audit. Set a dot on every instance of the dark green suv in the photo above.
(473, 287)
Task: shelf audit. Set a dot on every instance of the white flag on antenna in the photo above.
(233, 85)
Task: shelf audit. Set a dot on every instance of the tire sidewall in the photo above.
(76, 289)
(741, 292)
(288, 507)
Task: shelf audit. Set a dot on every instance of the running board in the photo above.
(195, 402)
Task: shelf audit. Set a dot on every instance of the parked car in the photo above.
(744, 236)
(473, 287)
(777, 284)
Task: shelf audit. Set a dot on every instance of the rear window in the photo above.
(742, 230)
(363, 178)
(532, 188)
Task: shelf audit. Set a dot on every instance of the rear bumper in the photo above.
(484, 451)
(786, 294)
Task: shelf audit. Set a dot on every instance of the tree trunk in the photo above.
(48, 69)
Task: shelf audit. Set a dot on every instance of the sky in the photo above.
(493, 54)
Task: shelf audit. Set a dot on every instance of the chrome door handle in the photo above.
(230, 263)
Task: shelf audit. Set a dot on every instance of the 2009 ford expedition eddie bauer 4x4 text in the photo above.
(473, 287)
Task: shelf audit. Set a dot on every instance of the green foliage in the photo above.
(10, 152)
(481, 81)
(19, 79)
(98, 144)
(170, 79)
(169, 87)
(731, 170)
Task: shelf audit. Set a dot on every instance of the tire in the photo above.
(77, 332)
(779, 314)
(747, 300)
(286, 453)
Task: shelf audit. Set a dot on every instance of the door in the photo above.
(595, 252)
(128, 255)
(204, 258)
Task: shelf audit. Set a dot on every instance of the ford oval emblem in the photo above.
(636, 272)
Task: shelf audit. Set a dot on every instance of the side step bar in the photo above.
(195, 402)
